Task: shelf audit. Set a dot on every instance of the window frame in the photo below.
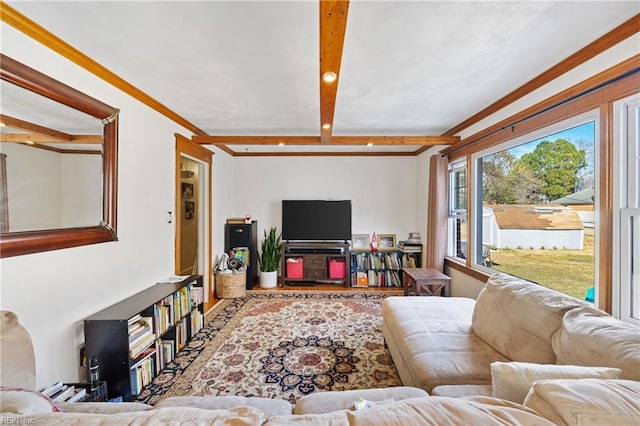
(454, 214)
(475, 252)
(626, 203)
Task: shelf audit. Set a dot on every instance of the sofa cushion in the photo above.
(322, 402)
(512, 380)
(103, 407)
(518, 318)
(589, 336)
(241, 416)
(25, 401)
(269, 406)
(586, 402)
(16, 353)
(432, 343)
(426, 410)
(439, 411)
(460, 391)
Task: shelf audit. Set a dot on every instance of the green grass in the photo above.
(569, 271)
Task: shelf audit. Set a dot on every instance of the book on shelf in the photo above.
(52, 390)
(362, 279)
(141, 345)
(167, 351)
(65, 393)
(196, 294)
(236, 221)
(79, 395)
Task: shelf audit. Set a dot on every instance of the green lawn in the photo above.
(568, 271)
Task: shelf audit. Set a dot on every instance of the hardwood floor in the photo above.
(315, 286)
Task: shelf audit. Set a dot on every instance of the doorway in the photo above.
(193, 214)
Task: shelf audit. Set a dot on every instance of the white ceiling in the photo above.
(252, 67)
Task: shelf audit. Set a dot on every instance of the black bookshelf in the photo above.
(107, 333)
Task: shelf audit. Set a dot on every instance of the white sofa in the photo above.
(447, 346)
(396, 406)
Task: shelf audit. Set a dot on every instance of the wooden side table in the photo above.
(425, 282)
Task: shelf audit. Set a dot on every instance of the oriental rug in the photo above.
(282, 345)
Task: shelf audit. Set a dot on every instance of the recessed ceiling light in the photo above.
(370, 144)
(29, 142)
(326, 126)
(329, 77)
(281, 144)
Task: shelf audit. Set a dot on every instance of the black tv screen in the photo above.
(316, 220)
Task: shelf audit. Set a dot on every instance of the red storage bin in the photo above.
(294, 268)
(337, 269)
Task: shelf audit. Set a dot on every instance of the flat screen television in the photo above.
(309, 220)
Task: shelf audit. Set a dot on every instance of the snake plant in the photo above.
(270, 256)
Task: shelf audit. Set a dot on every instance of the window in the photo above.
(457, 222)
(534, 207)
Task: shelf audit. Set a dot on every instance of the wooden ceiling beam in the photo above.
(52, 134)
(256, 140)
(394, 140)
(333, 24)
(24, 137)
(335, 140)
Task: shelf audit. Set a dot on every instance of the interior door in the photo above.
(193, 213)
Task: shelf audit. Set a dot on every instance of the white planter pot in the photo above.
(268, 279)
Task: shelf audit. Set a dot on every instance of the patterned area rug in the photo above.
(282, 345)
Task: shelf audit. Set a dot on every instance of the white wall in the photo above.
(383, 190)
(80, 189)
(33, 187)
(53, 291)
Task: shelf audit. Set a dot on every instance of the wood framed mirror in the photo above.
(27, 134)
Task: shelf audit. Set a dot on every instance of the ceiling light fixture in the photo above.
(28, 142)
(370, 144)
(329, 77)
(326, 126)
(280, 143)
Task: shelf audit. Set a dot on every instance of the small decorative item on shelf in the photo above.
(387, 242)
(269, 259)
(374, 242)
(360, 242)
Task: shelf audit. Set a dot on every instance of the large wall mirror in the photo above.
(58, 164)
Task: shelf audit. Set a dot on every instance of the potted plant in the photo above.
(269, 259)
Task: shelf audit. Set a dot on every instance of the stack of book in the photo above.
(140, 334)
(410, 246)
(60, 392)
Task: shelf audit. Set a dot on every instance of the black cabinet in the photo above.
(136, 337)
(244, 235)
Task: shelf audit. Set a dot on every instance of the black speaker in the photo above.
(244, 235)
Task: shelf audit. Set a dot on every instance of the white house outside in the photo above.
(532, 226)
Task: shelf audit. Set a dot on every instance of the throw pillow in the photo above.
(512, 380)
(586, 402)
(23, 401)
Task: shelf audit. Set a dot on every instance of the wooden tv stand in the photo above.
(316, 259)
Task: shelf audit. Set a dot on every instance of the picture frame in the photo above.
(387, 242)
(187, 190)
(189, 209)
(360, 242)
